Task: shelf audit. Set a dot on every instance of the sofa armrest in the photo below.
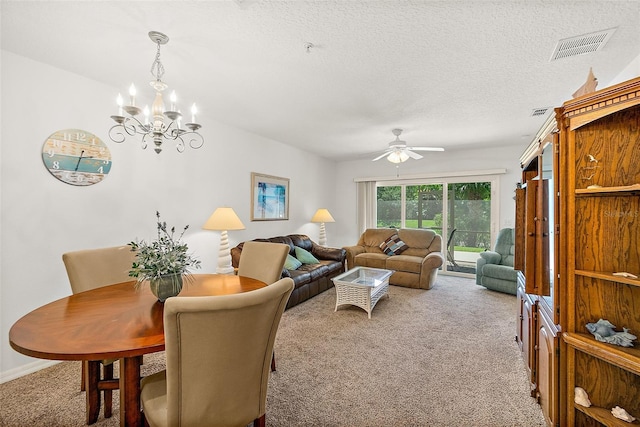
(433, 260)
(333, 254)
(352, 251)
(491, 257)
(480, 262)
(429, 269)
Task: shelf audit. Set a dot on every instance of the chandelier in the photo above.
(157, 125)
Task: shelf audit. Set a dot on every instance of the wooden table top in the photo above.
(110, 322)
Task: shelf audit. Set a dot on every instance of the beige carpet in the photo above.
(443, 357)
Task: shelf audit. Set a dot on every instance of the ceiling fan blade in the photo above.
(413, 155)
(386, 153)
(425, 148)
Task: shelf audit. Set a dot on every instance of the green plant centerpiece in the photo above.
(164, 262)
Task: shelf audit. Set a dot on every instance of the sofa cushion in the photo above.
(393, 245)
(408, 263)
(315, 270)
(372, 238)
(369, 259)
(305, 256)
(291, 263)
(300, 277)
(421, 242)
(333, 266)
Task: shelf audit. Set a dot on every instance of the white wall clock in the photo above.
(76, 157)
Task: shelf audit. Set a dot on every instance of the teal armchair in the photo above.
(494, 269)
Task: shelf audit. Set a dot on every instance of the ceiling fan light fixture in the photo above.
(398, 156)
(399, 151)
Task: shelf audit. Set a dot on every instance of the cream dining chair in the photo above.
(263, 261)
(89, 269)
(232, 335)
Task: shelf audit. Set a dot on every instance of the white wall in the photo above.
(631, 71)
(41, 217)
(344, 232)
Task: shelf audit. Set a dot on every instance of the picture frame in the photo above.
(269, 197)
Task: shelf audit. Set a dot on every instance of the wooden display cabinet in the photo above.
(599, 137)
(537, 221)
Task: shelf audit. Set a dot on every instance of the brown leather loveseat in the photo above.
(415, 266)
(309, 279)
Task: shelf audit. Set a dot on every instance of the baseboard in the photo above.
(23, 370)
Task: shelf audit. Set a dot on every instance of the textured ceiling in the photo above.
(451, 73)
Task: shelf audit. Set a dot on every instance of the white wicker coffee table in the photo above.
(362, 287)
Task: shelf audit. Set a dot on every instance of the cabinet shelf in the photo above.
(604, 416)
(608, 276)
(609, 191)
(627, 358)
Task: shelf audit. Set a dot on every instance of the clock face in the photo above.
(76, 157)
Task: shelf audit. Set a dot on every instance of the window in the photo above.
(464, 221)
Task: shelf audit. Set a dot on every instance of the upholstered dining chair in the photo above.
(263, 261)
(89, 269)
(230, 335)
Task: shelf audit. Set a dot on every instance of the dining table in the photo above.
(120, 321)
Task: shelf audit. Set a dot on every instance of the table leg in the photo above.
(130, 414)
(92, 395)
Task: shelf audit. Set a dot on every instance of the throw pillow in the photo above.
(291, 263)
(305, 257)
(393, 246)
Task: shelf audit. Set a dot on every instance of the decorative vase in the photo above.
(166, 286)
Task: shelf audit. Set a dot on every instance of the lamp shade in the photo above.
(223, 219)
(322, 215)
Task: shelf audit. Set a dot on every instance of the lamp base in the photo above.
(224, 270)
(224, 256)
(323, 235)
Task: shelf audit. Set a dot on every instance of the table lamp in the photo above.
(322, 216)
(223, 219)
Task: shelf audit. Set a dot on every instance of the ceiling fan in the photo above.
(399, 152)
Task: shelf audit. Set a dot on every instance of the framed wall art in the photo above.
(269, 198)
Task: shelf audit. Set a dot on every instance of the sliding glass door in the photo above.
(461, 212)
(468, 224)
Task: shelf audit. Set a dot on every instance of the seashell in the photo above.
(581, 397)
(620, 413)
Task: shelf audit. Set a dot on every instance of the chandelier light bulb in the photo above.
(132, 94)
(119, 101)
(173, 99)
(194, 111)
(146, 114)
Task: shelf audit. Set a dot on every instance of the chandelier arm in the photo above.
(143, 141)
(180, 145)
(196, 140)
(134, 126)
(116, 134)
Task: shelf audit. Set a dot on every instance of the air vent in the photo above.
(539, 111)
(581, 45)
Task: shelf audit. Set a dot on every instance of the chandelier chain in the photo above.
(157, 69)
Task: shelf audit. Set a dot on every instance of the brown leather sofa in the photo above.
(309, 279)
(416, 267)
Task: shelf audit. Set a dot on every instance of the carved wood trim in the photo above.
(591, 107)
